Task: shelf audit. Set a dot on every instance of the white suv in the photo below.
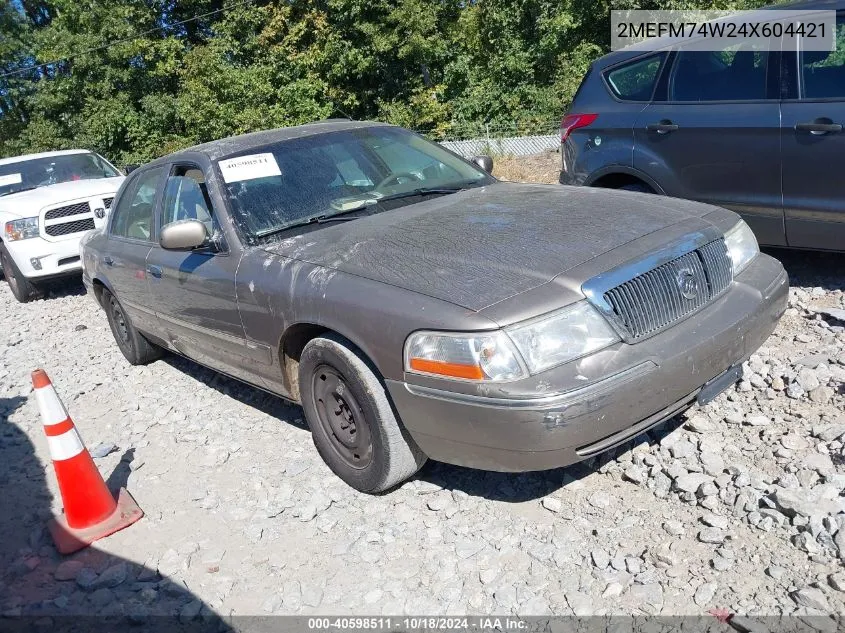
(47, 203)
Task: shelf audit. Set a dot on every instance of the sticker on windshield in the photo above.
(249, 167)
(10, 179)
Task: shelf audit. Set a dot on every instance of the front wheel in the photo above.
(352, 421)
(22, 288)
(135, 348)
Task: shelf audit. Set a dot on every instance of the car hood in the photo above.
(481, 246)
(28, 203)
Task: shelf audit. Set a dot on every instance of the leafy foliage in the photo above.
(140, 78)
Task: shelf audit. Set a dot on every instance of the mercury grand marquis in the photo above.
(418, 308)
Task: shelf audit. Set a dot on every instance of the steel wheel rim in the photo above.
(341, 418)
(119, 320)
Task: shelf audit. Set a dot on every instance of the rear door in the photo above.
(712, 134)
(131, 236)
(194, 291)
(814, 147)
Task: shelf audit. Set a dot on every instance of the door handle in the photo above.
(155, 271)
(664, 127)
(819, 126)
(107, 260)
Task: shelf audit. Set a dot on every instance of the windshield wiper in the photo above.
(8, 193)
(342, 216)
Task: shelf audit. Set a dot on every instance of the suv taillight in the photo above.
(573, 122)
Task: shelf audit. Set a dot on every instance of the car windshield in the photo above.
(298, 181)
(51, 170)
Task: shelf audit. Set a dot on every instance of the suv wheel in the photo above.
(137, 349)
(22, 288)
(352, 421)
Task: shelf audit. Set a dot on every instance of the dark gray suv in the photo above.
(757, 131)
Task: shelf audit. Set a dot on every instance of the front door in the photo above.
(715, 138)
(131, 236)
(194, 291)
(814, 148)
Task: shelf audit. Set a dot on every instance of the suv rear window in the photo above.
(635, 81)
(736, 73)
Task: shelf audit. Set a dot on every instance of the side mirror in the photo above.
(485, 162)
(183, 235)
(128, 169)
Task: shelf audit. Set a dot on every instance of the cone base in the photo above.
(69, 540)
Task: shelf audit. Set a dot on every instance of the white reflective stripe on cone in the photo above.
(65, 446)
(52, 409)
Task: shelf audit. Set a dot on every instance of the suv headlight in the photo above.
(742, 246)
(22, 229)
(515, 352)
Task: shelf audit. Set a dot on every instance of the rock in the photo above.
(758, 420)
(600, 558)
(675, 528)
(700, 424)
(837, 580)
(599, 500)
(691, 482)
(634, 474)
(794, 391)
(613, 590)
(190, 611)
(807, 379)
(830, 433)
(101, 450)
(86, 577)
(715, 521)
(811, 598)
(113, 576)
(822, 464)
(101, 597)
(552, 504)
(705, 592)
(806, 543)
(821, 394)
(799, 503)
(711, 535)
(467, 548)
(68, 569)
(775, 572)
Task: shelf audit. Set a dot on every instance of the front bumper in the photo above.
(51, 259)
(649, 382)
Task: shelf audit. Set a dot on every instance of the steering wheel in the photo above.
(398, 177)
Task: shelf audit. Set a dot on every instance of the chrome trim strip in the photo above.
(552, 401)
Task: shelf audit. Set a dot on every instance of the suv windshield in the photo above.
(297, 181)
(51, 170)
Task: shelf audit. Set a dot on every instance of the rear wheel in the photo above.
(134, 346)
(352, 421)
(22, 288)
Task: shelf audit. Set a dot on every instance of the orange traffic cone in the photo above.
(91, 512)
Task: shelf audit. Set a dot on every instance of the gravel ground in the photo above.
(737, 505)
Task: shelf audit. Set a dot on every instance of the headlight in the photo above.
(471, 356)
(22, 229)
(742, 246)
(561, 336)
(519, 350)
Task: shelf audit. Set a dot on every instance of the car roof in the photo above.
(20, 159)
(231, 145)
(640, 48)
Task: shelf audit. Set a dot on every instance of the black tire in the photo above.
(352, 421)
(22, 288)
(637, 186)
(134, 346)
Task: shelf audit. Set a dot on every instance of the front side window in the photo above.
(52, 170)
(736, 73)
(186, 198)
(635, 81)
(823, 72)
(133, 215)
(297, 181)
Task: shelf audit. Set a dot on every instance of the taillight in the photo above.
(573, 122)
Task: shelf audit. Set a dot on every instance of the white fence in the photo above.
(517, 139)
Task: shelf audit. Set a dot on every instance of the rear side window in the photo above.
(823, 72)
(133, 216)
(635, 81)
(736, 73)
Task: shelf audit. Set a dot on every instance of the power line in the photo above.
(127, 39)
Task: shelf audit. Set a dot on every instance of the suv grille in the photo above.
(651, 301)
(61, 212)
(70, 227)
(107, 202)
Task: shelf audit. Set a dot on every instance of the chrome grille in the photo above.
(70, 227)
(62, 212)
(659, 297)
